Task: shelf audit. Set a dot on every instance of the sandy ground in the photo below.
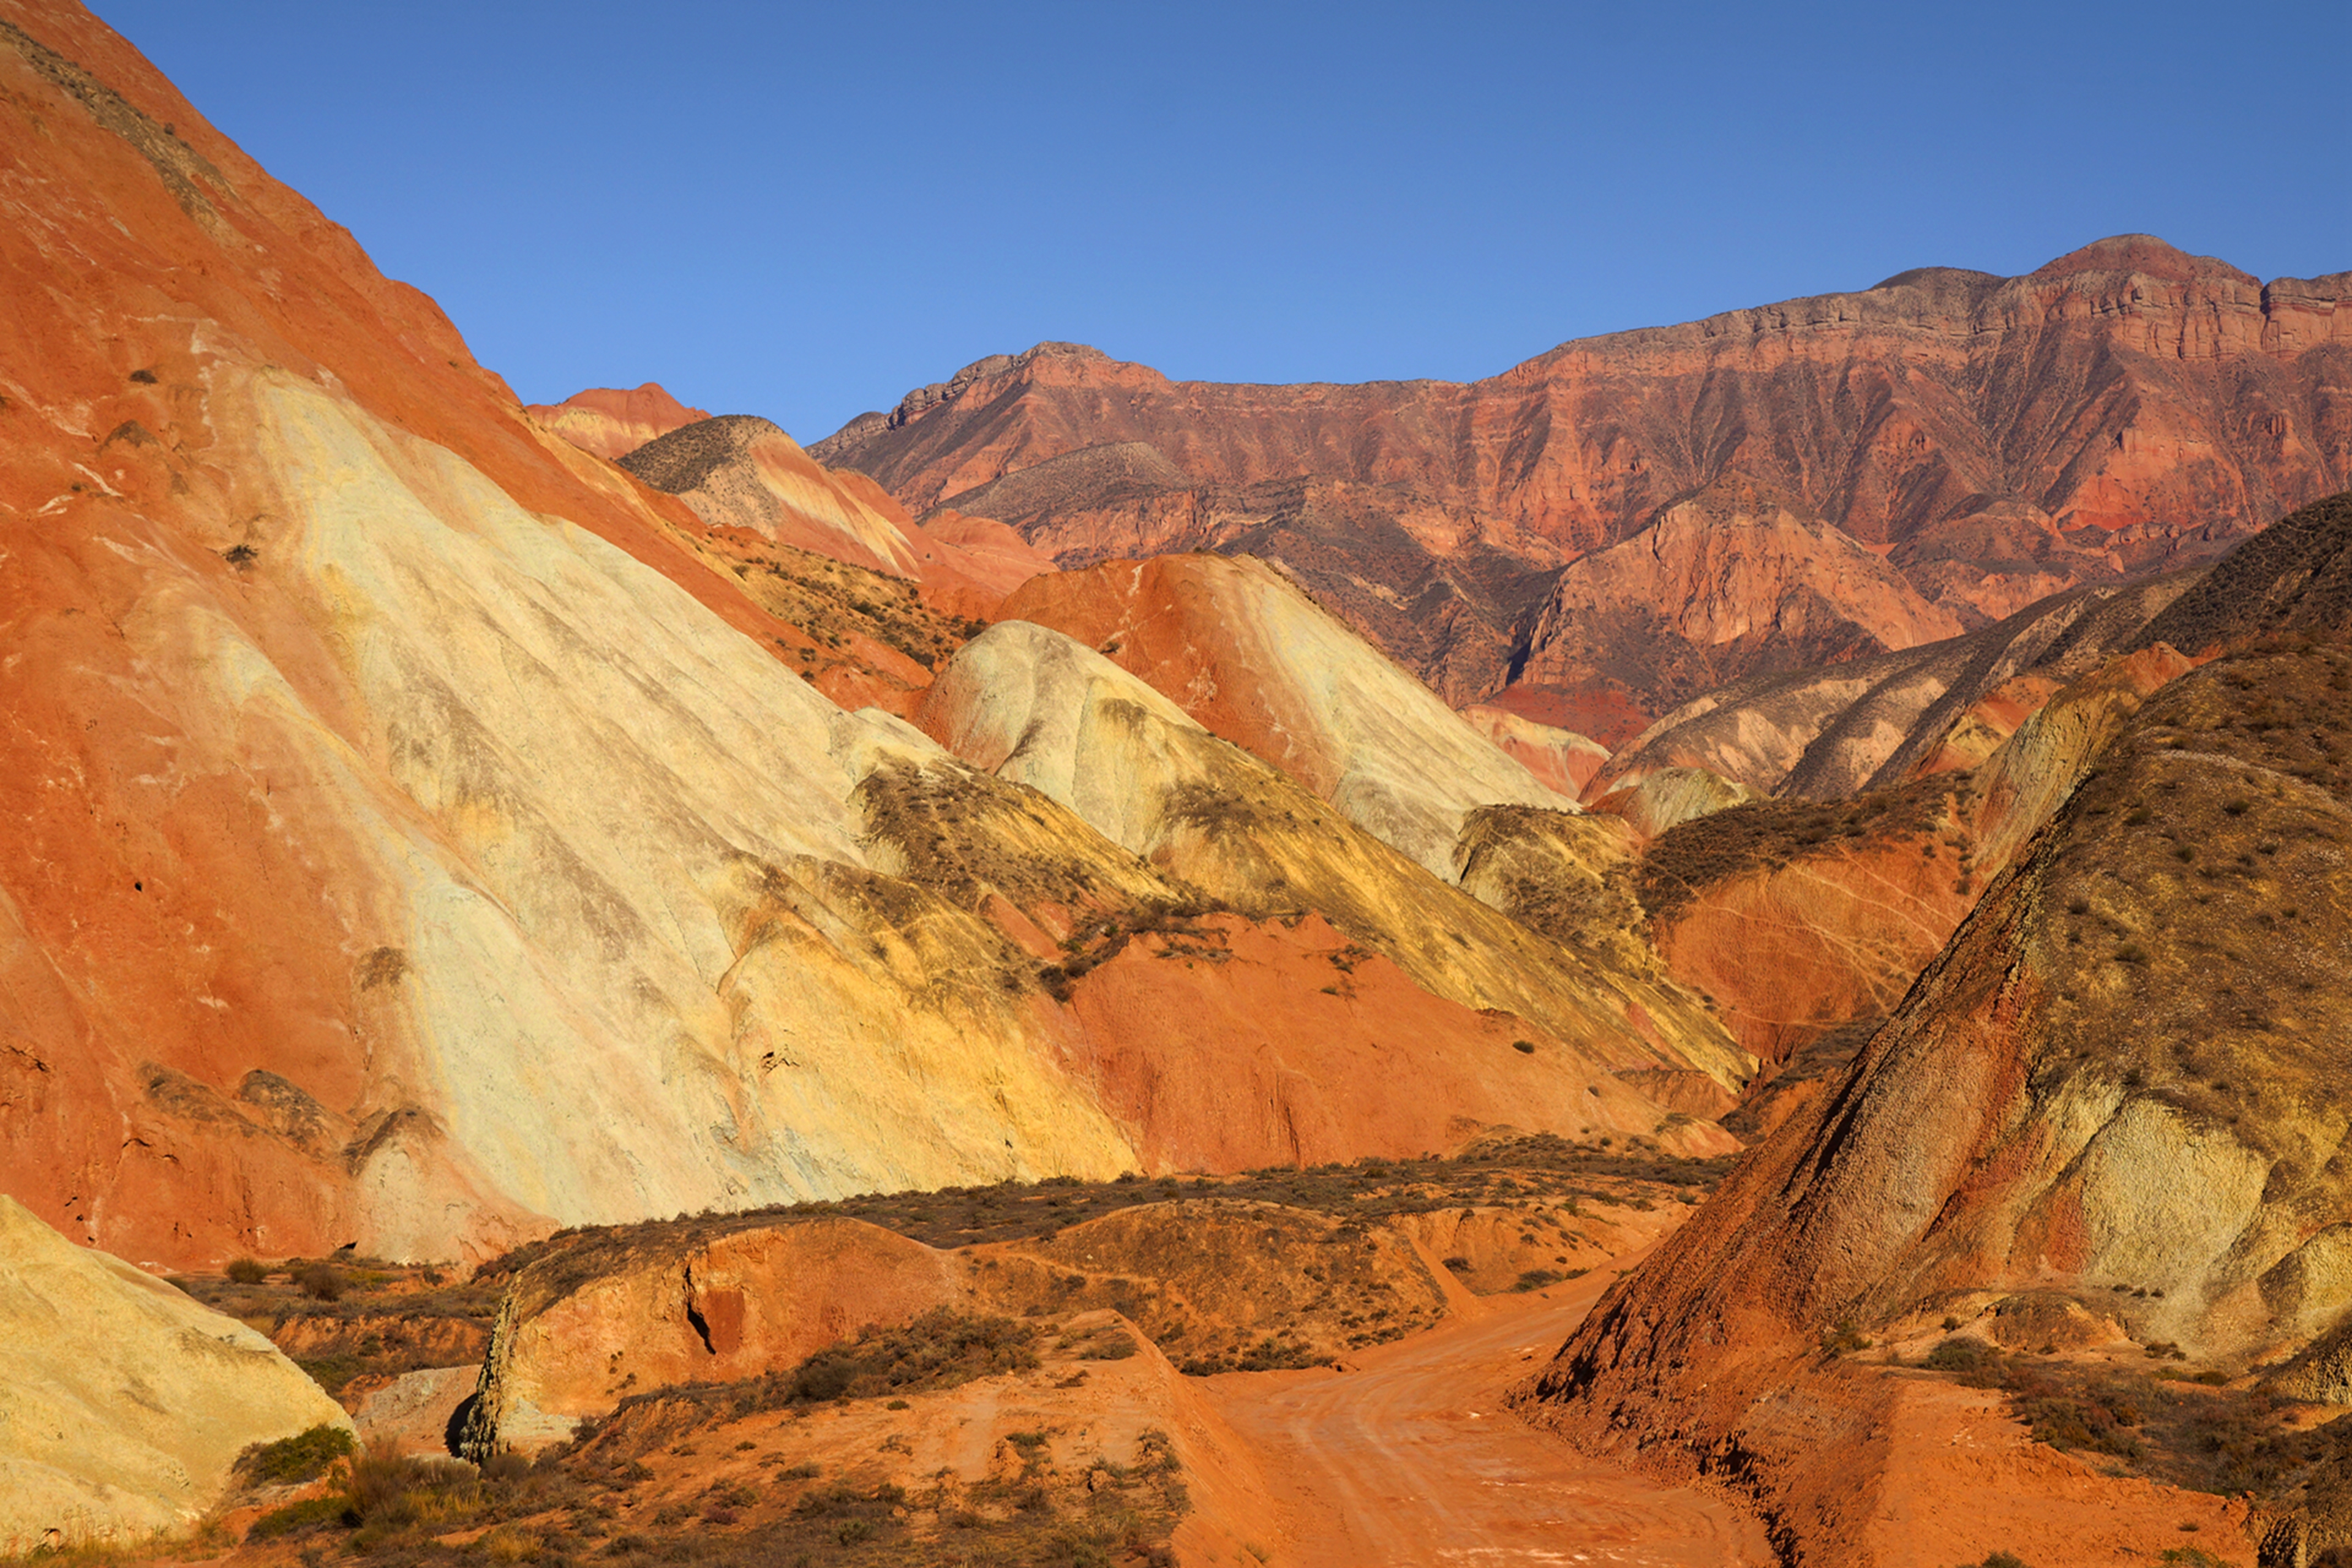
(1409, 1459)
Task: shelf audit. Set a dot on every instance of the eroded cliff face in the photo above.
(2124, 409)
(2122, 1072)
(1733, 581)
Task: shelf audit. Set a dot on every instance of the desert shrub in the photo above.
(1959, 1353)
(1844, 1340)
(246, 1271)
(938, 1350)
(320, 1281)
(300, 1458)
(296, 1518)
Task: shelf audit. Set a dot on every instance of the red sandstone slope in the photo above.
(421, 833)
(610, 423)
(2123, 408)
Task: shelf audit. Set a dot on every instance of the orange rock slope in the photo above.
(2103, 1110)
(611, 423)
(423, 833)
(2123, 408)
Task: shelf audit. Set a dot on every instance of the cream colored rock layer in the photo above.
(124, 1403)
(646, 966)
(1354, 728)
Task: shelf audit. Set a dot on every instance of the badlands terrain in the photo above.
(1729, 947)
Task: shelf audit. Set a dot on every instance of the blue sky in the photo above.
(803, 211)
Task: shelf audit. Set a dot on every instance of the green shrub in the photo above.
(311, 1513)
(301, 1457)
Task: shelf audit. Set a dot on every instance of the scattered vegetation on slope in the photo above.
(1768, 835)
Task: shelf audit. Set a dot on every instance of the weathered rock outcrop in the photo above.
(1838, 730)
(2122, 1070)
(2124, 409)
(593, 1320)
(124, 1403)
(1238, 647)
(610, 423)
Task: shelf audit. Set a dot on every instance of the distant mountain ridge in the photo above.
(2127, 408)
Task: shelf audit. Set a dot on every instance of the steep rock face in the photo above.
(1319, 1022)
(2124, 409)
(2124, 1070)
(609, 423)
(124, 1403)
(1238, 647)
(1730, 581)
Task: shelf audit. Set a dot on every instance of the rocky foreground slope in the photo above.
(123, 1404)
(2110, 1107)
(2122, 410)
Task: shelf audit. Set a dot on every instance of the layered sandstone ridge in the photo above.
(2124, 409)
(124, 1403)
(742, 473)
(1306, 1026)
(2117, 1086)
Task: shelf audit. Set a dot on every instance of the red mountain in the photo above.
(2125, 408)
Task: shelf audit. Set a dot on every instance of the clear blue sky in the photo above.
(802, 211)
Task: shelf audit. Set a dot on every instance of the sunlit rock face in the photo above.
(414, 844)
(1238, 647)
(123, 1403)
(2127, 408)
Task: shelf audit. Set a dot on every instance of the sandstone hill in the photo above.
(123, 1404)
(745, 475)
(1304, 1027)
(2126, 409)
(429, 833)
(2111, 1102)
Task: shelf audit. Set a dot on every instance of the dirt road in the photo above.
(1410, 1461)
